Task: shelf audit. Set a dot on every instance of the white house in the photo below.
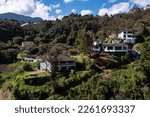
(27, 43)
(27, 59)
(128, 36)
(115, 48)
(46, 66)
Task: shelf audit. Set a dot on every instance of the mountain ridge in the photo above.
(20, 18)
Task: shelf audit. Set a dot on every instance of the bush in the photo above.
(126, 59)
(2, 80)
(27, 67)
(17, 40)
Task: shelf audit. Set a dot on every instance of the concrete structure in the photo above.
(46, 66)
(115, 48)
(128, 36)
(32, 59)
(27, 43)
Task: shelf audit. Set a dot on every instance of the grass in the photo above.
(27, 75)
(15, 76)
(80, 58)
(20, 56)
(44, 88)
(0, 94)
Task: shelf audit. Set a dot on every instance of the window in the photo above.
(110, 48)
(62, 62)
(130, 32)
(124, 48)
(130, 36)
(118, 48)
(70, 62)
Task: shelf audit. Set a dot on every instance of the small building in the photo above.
(62, 63)
(28, 60)
(128, 36)
(27, 43)
(32, 59)
(46, 66)
(65, 62)
(115, 48)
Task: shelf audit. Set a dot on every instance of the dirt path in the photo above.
(37, 72)
(6, 95)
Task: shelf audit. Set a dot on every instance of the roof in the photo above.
(115, 44)
(127, 30)
(62, 57)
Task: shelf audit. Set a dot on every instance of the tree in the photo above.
(135, 9)
(17, 40)
(85, 41)
(145, 55)
(28, 37)
(71, 38)
(8, 56)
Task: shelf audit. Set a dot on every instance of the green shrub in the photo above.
(27, 67)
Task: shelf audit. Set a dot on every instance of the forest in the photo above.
(97, 77)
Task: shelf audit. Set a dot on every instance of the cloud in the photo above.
(2, 1)
(103, 5)
(67, 1)
(112, 1)
(115, 9)
(73, 11)
(58, 11)
(32, 8)
(54, 6)
(141, 3)
(58, 17)
(86, 12)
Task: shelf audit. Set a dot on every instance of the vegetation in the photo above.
(96, 77)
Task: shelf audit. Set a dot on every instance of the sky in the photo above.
(53, 9)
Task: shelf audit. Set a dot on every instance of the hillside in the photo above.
(97, 76)
(69, 27)
(20, 18)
